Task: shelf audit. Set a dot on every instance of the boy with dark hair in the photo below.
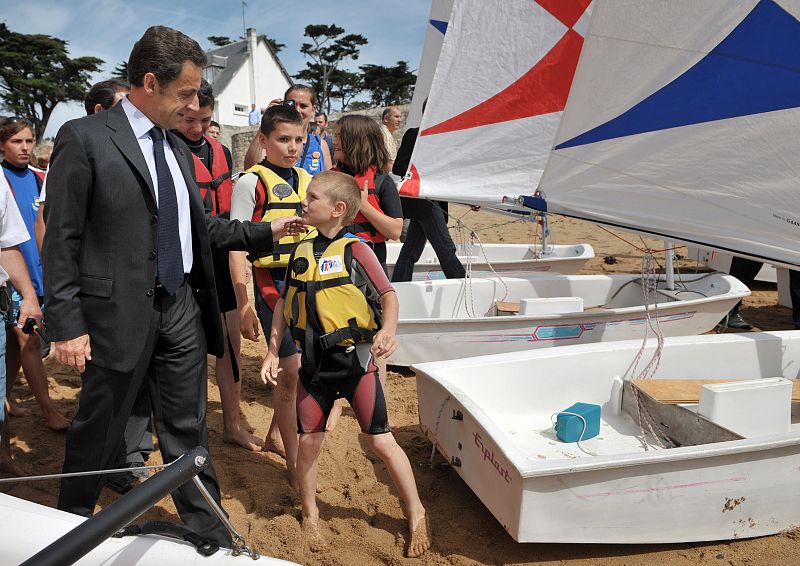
(327, 310)
(269, 190)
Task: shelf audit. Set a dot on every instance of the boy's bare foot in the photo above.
(421, 537)
(274, 445)
(243, 439)
(14, 409)
(312, 531)
(55, 421)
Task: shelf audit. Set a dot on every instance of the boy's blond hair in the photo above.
(340, 187)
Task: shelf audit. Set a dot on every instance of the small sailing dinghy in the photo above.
(491, 418)
(456, 318)
(489, 143)
(692, 112)
(508, 260)
(35, 535)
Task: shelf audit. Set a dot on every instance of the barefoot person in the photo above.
(269, 190)
(17, 141)
(212, 168)
(333, 322)
(13, 268)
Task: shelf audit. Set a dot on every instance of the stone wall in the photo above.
(238, 139)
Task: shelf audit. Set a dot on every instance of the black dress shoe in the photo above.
(736, 321)
(121, 482)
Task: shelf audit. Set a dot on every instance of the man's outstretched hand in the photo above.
(287, 226)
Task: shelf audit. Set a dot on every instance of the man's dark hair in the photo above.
(279, 114)
(103, 93)
(321, 114)
(205, 95)
(213, 123)
(162, 51)
(386, 112)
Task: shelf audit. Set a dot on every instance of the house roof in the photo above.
(236, 56)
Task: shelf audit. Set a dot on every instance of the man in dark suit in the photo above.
(129, 277)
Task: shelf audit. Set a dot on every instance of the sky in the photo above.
(108, 28)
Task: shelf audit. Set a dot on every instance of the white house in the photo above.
(243, 73)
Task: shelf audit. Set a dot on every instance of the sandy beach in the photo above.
(362, 516)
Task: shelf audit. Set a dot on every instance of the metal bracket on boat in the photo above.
(535, 201)
(239, 546)
(458, 415)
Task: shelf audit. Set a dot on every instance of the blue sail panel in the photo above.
(755, 69)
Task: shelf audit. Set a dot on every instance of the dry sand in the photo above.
(361, 513)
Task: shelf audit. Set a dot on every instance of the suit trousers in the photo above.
(427, 222)
(173, 366)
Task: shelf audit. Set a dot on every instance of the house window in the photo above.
(240, 108)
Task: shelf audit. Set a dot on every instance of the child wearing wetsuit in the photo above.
(327, 306)
(269, 190)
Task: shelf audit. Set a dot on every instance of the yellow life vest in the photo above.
(324, 306)
(280, 200)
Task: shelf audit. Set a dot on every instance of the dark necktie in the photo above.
(170, 259)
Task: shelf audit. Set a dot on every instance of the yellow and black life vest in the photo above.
(279, 200)
(325, 306)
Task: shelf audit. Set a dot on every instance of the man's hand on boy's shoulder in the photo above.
(383, 344)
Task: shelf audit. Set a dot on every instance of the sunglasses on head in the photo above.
(15, 120)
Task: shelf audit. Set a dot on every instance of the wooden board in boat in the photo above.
(680, 391)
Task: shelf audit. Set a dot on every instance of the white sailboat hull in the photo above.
(543, 490)
(29, 527)
(435, 322)
(508, 260)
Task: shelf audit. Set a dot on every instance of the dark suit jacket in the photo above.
(99, 251)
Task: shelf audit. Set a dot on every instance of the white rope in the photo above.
(650, 293)
(554, 421)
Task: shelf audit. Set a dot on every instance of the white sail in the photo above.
(501, 83)
(434, 36)
(684, 122)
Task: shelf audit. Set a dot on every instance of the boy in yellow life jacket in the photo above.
(269, 190)
(339, 330)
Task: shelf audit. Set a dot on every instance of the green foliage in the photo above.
(360, 105)
(219, 40)
(274, 45)
(329, 49)
(345, 86)
(36, 73)
(120, 71)
(388, 85)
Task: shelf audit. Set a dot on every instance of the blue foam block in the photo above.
(570, 428)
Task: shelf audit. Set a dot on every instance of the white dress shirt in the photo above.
(141, 126)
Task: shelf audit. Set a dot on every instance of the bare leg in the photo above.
(310, 446)
(7, 463)
(286, 412)
(13, 407)
(230, 391)
(31, 355)
(387, 449)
